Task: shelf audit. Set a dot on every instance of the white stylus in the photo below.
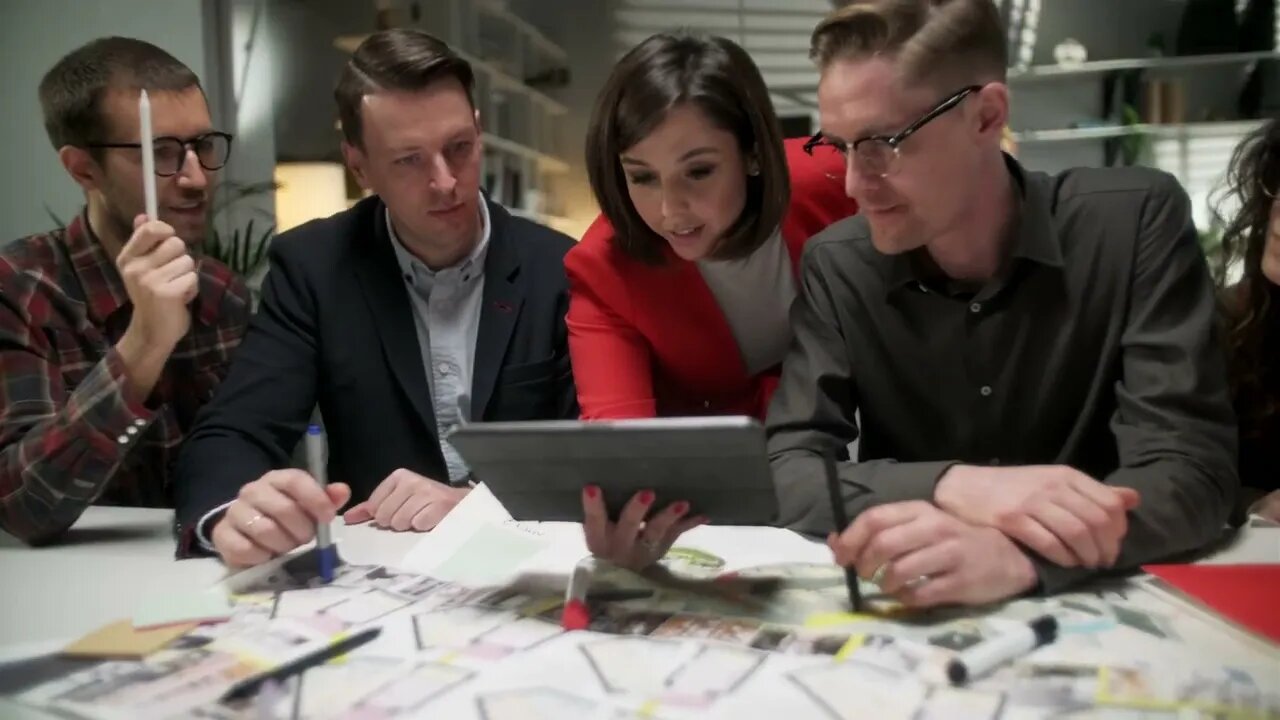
(148, 157)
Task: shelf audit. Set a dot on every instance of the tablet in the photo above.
(538, 469)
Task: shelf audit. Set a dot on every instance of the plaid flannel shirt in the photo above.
(69, 435)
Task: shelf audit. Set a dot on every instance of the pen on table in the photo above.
(841, 523)
(319, 656)
(148, 157)
(991, 653)
(576, 615)
(325, 552)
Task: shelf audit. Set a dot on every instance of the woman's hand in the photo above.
(632, 542)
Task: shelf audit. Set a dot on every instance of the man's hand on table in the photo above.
(923, 556)
(407, 501)
(1059, 512)
(273, 515)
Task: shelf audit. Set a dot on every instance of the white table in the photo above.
(113, 558)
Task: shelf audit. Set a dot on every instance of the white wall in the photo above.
(34, 34)
(305, 69)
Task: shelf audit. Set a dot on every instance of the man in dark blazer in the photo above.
(421, 308)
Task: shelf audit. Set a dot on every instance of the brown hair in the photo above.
(1252, 335)
(717, 77)
(400, 59)
(960, 40)
(71, 92)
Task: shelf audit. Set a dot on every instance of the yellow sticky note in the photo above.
(851, 646)
(121, 640)
(820, 621)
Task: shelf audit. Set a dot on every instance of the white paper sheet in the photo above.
(467, 539)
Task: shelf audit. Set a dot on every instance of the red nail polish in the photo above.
(680, 508)
(646, 497)
(591, 491)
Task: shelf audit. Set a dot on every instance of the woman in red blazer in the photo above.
(680, 291)
(648, 334)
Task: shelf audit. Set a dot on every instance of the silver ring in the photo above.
(916, 582)
(650, 547)
(252, 520)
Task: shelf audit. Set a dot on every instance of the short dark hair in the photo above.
(399, 59)
(71, 92)
(719, 78)
(957, 41)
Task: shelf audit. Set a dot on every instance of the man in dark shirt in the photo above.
(1034, 359)
(113, 330)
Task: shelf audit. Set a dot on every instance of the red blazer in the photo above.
(650, 340)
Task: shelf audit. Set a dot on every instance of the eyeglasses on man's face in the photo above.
(212, 150)
(877, 154)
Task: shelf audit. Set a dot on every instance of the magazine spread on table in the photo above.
(736, 623)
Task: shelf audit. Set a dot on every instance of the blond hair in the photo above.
(960, 41)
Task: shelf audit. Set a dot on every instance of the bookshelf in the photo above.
(1177, 131)
(1155, 65)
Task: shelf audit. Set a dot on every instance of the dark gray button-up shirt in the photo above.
(1096, 347)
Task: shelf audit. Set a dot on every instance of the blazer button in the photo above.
(706, 404)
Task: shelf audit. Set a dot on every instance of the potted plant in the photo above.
(243, 249)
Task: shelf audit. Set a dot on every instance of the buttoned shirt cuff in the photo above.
(1054, 578)
(204, 526)
(901, 482)
(107, 407)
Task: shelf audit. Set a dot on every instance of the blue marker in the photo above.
(316, 465)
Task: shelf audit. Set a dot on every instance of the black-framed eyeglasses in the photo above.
(212, 150)
(875, 154)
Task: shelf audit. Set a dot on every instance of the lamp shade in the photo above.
(307, 191)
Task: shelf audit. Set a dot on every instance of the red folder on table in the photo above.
(1248, 595)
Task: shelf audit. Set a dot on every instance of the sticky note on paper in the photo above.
(121, 640)
(200, 607)
(822, 621)
(490, 555)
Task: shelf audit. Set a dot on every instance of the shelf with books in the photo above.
(1100, 132)
(1155, 64)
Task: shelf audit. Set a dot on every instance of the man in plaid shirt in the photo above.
(115, 329)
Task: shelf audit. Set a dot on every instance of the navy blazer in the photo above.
(335, 327)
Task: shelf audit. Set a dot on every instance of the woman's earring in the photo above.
(753, 168)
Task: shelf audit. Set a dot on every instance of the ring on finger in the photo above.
(249, 525)
(650, 547)
(877, 577)
(916, 582)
